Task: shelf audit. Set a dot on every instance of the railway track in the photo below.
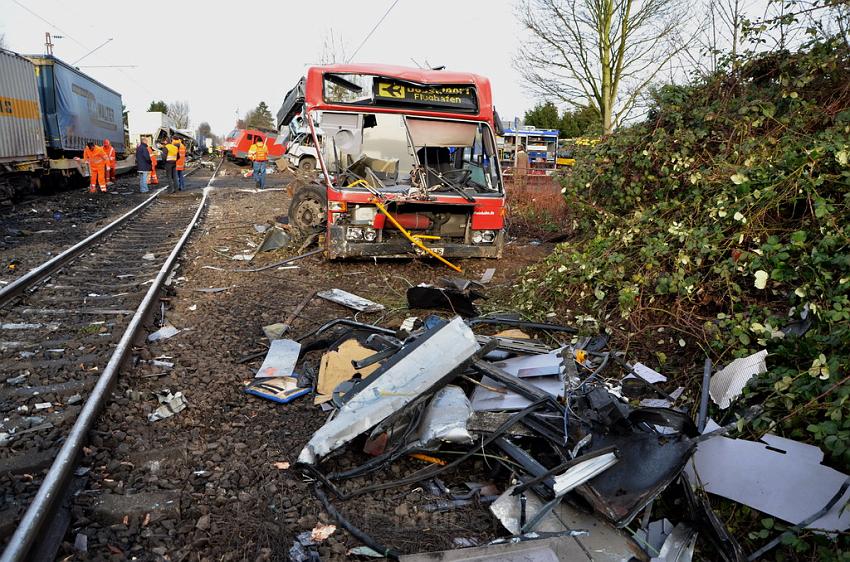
(65, 329)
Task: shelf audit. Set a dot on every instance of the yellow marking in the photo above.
(22, 109)
(386, 90)
(413, 240)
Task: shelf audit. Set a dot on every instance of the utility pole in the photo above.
(48, 42)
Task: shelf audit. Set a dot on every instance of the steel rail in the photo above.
(59, 474)
(43, 271)
(33, 276)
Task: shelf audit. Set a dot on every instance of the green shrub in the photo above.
(725, 216)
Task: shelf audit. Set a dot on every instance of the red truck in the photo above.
(238, 141)
(407, 159)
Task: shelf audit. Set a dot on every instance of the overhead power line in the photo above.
(83, 45)
(368, 35)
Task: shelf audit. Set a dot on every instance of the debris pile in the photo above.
(588, 453)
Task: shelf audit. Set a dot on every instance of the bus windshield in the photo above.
(399, 153)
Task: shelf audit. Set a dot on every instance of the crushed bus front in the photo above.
(409, 162)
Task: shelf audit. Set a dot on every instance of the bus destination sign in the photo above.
(461, 98)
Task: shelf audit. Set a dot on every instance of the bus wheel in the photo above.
(307, 164)
(308, 210)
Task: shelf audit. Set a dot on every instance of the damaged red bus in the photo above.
(407, 161)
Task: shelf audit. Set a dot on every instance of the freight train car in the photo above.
(48, 111)
(22, 145)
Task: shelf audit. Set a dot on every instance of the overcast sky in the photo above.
(227, 56)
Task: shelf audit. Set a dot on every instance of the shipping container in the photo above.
(21, 133)
(77, 109)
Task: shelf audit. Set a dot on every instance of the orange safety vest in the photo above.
(259, 151)
(181, 156)
(109, 150)
(96, 157)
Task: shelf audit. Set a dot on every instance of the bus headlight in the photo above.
(483, 237)
(354, 234)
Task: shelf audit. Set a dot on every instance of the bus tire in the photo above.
(309, 209)
(307, 164)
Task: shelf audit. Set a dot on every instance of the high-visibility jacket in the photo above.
(95, 157)
(110, 152)
(258, 152)
(181, 156)
(171, 152)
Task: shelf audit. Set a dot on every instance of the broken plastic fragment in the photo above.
(728, 383)
(280, 360)
(778, 476)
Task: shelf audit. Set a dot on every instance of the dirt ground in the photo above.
(203, 484)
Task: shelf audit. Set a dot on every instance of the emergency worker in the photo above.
(112, 161)
(181, 164)
(259, 155)
(96, 159)
(521, 167)
(143, 164)
(171, 153)
(153, 180)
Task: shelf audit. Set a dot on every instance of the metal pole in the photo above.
(703, 403)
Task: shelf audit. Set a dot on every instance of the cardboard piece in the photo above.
(336, 367)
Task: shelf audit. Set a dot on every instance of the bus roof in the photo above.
(314, 98)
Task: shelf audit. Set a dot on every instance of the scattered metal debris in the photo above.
(350, 300)
(777, 476)
(167, 331)
(170, 404)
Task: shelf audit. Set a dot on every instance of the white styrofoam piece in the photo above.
(728, 383)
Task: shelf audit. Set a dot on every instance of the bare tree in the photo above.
(605, 51)
(179, 111)
(2, 40)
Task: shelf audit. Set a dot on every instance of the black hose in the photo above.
(348, 526)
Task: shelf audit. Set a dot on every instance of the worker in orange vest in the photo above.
(96, 159)
(153, 180)
(259, 154)
(181, 164)
(111, 161)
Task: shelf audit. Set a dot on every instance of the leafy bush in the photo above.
(725, 217)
